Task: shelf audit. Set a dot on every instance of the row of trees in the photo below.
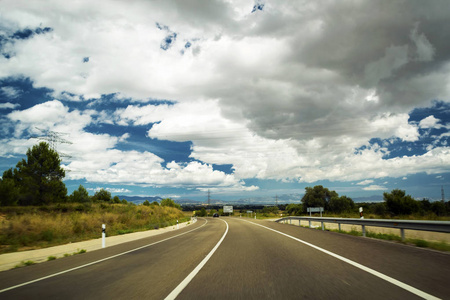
(396, 203)
(319, 196)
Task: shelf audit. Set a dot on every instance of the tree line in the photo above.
(396, 203)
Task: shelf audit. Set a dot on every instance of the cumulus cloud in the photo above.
(374, 188)
(93, 157)
(286, 92)
(429, 122)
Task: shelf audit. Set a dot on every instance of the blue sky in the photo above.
(242, 98)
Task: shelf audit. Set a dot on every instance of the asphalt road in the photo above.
(255, 260)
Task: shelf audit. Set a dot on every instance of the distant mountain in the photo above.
(270, 200)
(188, 201)
(373, 198)
(138, 199)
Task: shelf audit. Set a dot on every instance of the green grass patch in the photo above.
(25, 264)
(421, 243)
(383, 236)
(80, 251)
(51, 258)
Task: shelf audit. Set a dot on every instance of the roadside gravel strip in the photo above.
(10, 260)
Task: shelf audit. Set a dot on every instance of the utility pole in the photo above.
(276, 200)
(442, 193)
(209, 198)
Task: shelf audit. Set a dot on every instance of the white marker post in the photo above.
(103, 235)
(361, 213)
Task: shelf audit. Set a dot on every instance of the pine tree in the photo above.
(39, 177)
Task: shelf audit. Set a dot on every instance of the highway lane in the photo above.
(149, 273)
(252, 262)
(256, 263)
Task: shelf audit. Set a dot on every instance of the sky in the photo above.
(241, 98)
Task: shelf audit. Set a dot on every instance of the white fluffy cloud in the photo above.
(429, 122)
(365, 182)
(93, 157)
(218, 140)
(287, 92)
(374, 188)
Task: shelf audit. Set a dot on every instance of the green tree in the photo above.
(317, 196)
(80, 196)
(169, 202)
(146, 203)
(425, 205)
(398, 203)
(201, 212)
(379, 208)
(270, 210)
(124, 201)
(340, 204)
(102, 195)
(438, 207)
(116, 200)
(8, 189)
(39, 177)
(294, 209)
(9, 192)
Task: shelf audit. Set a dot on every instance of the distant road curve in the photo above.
(233, 258)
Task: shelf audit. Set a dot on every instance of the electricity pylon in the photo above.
(53, 137)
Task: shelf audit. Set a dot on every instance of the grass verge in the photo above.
(27, 228)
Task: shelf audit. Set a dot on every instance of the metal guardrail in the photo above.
(435, 226)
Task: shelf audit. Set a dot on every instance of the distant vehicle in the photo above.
(216, 215)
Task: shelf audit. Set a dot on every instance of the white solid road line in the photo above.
(97, 261)
(191, 276)
(355, 264)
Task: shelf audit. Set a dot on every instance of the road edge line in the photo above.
(191, 275)
(96, 262)
(391, 280)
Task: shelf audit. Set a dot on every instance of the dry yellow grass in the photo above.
(35, 227)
